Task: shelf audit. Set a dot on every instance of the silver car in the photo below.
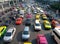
(26, 33)
(9, 34)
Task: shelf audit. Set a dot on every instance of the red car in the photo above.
(19, 21)
(28, 16)
(41, 39)
(54, 23)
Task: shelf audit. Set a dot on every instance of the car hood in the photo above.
(28, 21)
(7, 38)
(25, 36)
(48, 26)
(28, 16)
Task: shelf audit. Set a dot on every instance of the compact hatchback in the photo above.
(41, 39)
(27, 22)
(26, 33)
(9, 34)
(37, 25)
(19, 21)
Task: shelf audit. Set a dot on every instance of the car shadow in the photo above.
(18, 37)
(6, 43)
(34, 41)
(49, 38)
(32, 28)
(1, 40)
(42, 26)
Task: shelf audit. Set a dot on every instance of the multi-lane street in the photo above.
(17, 39)
(19, 28)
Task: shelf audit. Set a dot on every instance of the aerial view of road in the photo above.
(29, 23)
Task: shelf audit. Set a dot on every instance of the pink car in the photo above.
(41, 39)
(28, 16)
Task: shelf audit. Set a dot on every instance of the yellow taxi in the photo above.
(44, 17)
(47, 24)
(27, 43)
(37, 16)
(2, 30)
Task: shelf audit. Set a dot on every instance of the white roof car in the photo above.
(21, 11)
(36, 21)
(26, 33)
(37, 25)
(9, 34)
(15, 9)
(57, 30)
(21, 15)
(41, 11)
(35, 11)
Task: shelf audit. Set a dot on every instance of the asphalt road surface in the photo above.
(19, 28)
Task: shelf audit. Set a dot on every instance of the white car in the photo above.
(9, 34)
(35, 11)
(26, 33)
(22, 15)
(57, 30)
(15, 9)
(41, 11)
(22, 12)
(37, 25)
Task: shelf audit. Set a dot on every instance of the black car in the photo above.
(51, 18)
(28, 22)
(12, 18)
(0, 20)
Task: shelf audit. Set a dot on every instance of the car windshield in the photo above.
(25, 32)
(21, 14)
(37, 24)
(47, 24)
(28, 20)
(8, 34)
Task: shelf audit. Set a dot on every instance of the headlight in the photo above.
(0, 35)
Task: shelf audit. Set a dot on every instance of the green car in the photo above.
(2, 30)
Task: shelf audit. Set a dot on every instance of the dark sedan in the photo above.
(28, 22)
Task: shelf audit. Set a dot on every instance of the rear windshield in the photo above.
(25, 32)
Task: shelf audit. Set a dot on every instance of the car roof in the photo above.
(46, 21)
(10, 29)
(36, 21)
(26, 28)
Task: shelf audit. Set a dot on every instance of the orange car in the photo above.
(54, 23)
(19, 21)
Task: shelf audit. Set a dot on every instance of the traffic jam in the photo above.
(32, 22)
